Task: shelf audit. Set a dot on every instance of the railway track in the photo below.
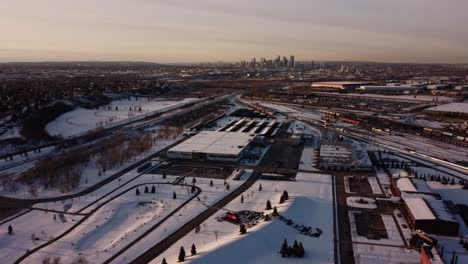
(125, 129)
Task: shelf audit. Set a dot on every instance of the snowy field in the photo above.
(310, 204)
(121, 217)
(18, 159)
(308, 159)
(115, 224)
(31, 230)
(394, 238)
(80, 120)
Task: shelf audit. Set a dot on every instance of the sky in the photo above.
(174, 31)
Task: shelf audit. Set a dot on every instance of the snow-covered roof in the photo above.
(336, 152)
(215, 142)
(451, 107)
(405, 185)
(419, 209)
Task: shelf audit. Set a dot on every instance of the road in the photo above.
(160, 247)
(125, 130)
(87, 216)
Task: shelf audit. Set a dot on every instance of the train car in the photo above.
(347, 120)
(447, 134)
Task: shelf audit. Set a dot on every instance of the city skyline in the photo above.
(178, 32)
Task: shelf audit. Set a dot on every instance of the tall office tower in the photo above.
(263, 62)
(285, 62)
(277, 61)
(253, 64)
(292, 63)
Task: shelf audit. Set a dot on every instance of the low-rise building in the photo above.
(213, 145)
(336, 156)
(429, 215)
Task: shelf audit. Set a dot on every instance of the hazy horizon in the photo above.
(175, 31)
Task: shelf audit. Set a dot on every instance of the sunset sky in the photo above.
(434, 31)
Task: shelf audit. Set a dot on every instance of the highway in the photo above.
(125, 130)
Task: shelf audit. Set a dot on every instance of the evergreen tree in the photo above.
(225, 182)
(193, 189)
(452, 182)
(284, 248)
(174, 196)
(164, 261)
(164, 175)
(153, 189)
(211, 183)
(146, 189)
(137, 191)
(242, 199)
(301, 250)
(260, 187)
(281, 199)
(228, 187)
(10, 230)
(181, 254)
(193, 250)
(295, 249)
(242, 229)
(268, 205)
(194, 180)
(275, 211)
(286, 195)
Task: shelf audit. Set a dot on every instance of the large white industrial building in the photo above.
(213, 145)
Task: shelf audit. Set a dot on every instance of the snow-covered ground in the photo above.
(18, 159)
(310, 204)
(374, 184)
(120, 219)
(13, 132)
(80, 120)
(37, 224)
(394, 238)
(90, 175)
(361, 202)
(375, 254)
(115, 224)
(308, 159)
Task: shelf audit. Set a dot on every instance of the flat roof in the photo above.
(215, 142)
(419, 208)
(451, 107)
(404, 184)
(336, 152)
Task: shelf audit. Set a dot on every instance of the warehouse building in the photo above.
(388, 89)
(339, 85)
(336, 156)
(429, 215)
(451, 109)
(213, 145)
